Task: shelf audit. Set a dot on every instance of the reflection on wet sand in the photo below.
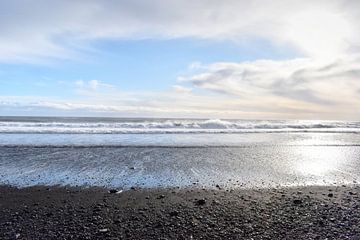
(249, 165)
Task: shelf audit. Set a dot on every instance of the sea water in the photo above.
(123, 152)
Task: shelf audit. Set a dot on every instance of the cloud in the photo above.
(35, 30)
(181, 89)
(168, 104)
(327, 84)
(118, 108)
(91, 85)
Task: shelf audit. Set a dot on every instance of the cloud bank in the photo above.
(306, 80)
(36, 29)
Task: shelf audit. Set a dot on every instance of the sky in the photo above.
(181, 58)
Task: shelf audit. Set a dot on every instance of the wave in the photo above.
(177, 126)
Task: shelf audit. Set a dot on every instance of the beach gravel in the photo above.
(96, 213)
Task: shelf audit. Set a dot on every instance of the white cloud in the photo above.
(35, 29)
(181, 89)
(329, 85)
(91, 85)
(168, 104)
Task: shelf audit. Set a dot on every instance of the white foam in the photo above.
(178, 126)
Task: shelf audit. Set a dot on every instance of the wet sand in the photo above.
(311, 212)
(151, 167)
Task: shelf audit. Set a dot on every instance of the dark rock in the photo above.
(49, 214)
(117, 221)
(113, 191)
(330, 195)
(297, 201)
(200, 202)
(174, 213)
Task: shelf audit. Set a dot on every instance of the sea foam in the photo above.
(155, 126)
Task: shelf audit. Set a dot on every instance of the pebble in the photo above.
(113, 191)
(174, 213)
(201, 202)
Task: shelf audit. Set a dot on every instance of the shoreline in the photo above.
(311, 212)
(153, 167)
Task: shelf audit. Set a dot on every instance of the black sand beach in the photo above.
(173, 191)
(190, 213)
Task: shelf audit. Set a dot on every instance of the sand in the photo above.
(317, 212)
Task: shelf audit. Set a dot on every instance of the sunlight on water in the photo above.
(319, 160)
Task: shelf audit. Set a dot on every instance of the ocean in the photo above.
(125, 152)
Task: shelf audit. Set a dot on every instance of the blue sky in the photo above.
(152, 65)
(185, 59)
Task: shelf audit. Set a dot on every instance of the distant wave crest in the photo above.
(178, 126)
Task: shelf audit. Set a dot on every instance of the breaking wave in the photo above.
(174, 126)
